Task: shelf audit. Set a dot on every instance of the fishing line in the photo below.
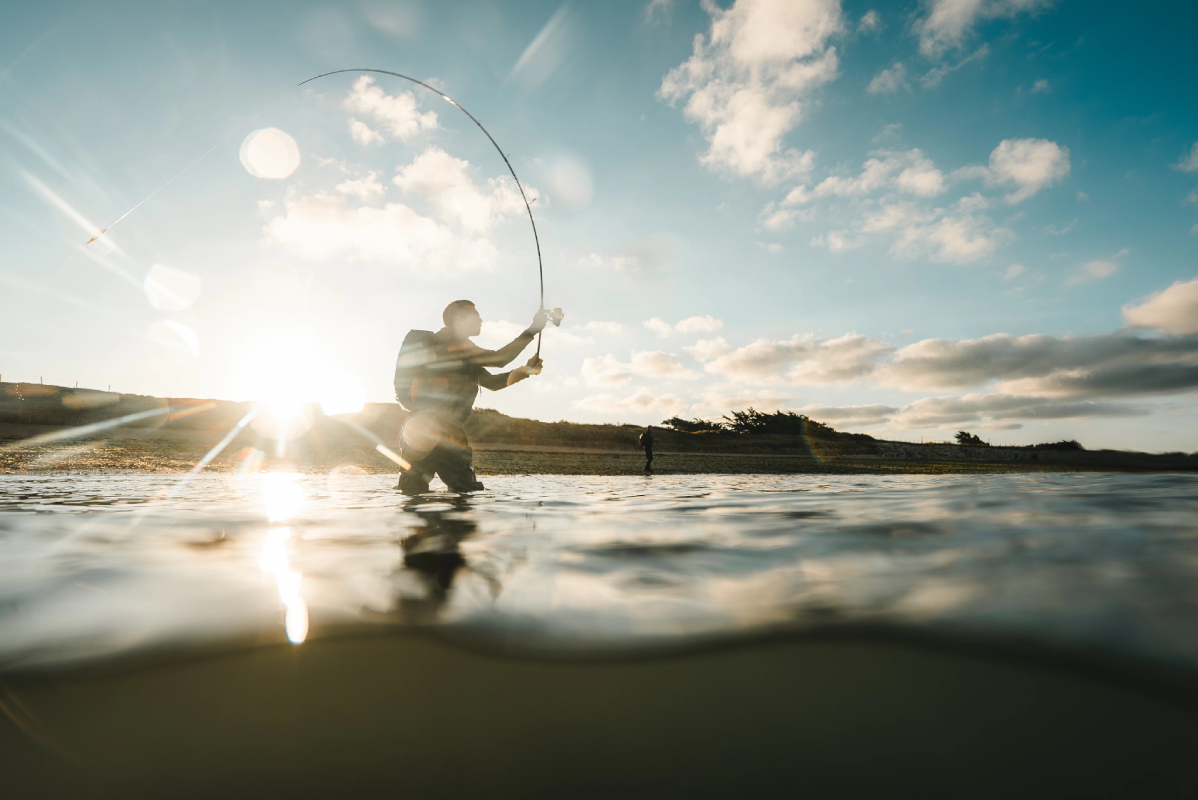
(447, 98)
(457, 105)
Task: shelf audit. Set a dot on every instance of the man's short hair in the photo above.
(454, 310)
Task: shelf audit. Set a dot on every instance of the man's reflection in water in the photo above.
(432, 557)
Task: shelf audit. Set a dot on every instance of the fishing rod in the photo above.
(555, 317)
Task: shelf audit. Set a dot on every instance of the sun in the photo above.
(292, 384)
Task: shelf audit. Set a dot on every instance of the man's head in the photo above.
(462, 318)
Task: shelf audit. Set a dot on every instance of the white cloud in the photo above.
(745, 84)
(605, 328)
(934, 412)
(446, 181)
(773, 248)
(849, 416)
(1172, 310)
(910, 172)
(889, 80)
(703, 324)
(1189, 162)
(708, 349)
(948, 23)
(835, 241)
(363, 133)
(397, 114)
(1040, 86)
(1103, 365)
(1092, 271)
(775, 219)
(871, 22)
(364, 188)
(642, 402)
(1082, 197)
(657, 8)
(610, 371)
(1013, 272)
(1029, 164)
(323, 226)
(659, 326)
(955, 238)
(799, 360)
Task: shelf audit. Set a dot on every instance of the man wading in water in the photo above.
(437, 377)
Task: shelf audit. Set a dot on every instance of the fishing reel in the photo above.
(556, 316)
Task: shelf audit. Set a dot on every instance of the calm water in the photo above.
(98, 567)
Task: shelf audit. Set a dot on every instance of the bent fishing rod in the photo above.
(555, 317)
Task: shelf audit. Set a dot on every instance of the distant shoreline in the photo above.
(170, 435)
(140, 450)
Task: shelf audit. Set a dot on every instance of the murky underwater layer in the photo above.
(102, 567)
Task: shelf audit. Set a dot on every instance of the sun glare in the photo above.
(287, 377)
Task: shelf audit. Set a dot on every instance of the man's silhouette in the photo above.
(647, 443)
(452, 368)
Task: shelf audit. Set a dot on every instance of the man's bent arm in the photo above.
(500, 381)
(501, 357)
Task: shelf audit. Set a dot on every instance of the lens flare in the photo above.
(270, 153)
(170, 289)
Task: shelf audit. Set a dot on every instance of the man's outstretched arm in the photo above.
(506, 379)
(505, 355)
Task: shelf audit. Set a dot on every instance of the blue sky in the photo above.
(901, 218)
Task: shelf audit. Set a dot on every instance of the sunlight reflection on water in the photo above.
(549, 564)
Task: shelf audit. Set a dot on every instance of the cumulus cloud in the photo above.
(610, 371)
(954, 237)
(871, 22)
(947, 24)
(1028, 164)
(746, 83)
(909, 172)
(398, 114)
(889, 81)
(363, 133)
(642, 402)
(801, 359)
(324, 226)
(1172, 310)
(446, 181)
(835, 241)
(1013, 272)
(1189, 162)
(863, 416)
(703, 324)
(363, 188)
(659, 326)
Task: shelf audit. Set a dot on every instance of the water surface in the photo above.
(96, 567)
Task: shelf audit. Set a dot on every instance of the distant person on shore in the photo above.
(437, 376)
(647, 443)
